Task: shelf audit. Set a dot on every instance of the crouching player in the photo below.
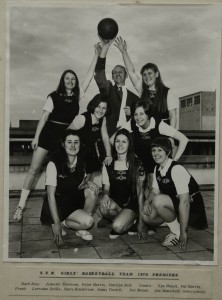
(174, 199)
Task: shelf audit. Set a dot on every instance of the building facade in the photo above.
(21, 137)
(198, 111)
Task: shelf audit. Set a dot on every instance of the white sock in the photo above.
(174, 227)
(23, 198)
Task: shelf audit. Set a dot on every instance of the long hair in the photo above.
(131, 160)
(61, 87)
(160, 102)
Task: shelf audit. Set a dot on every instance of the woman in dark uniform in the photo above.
(71, 197)
(151, 87)
(93, 131)
(175, 196)
(122, 185)
(60, 109)
(145, 128)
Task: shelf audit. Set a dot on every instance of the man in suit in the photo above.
(119, 98)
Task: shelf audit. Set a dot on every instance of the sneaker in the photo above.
(18, 213)
(170, 240)
(133, 230)
(84, 234)
(103, 223)
(113, 235)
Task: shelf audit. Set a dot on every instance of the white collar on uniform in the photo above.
(164, 170)
(151, 125)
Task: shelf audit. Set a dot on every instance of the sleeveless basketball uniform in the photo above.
(142, 144)
(197, 215)
(64, 111)
(91, 138)
(157, 114)
(120, 189)
(68, 197)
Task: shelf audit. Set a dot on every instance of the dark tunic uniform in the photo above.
(142, 144)
(68, 197)
(64, 111)
(120, 188)
(91, 138)
(197, 215)
(154, 97)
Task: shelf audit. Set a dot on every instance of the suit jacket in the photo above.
(110, 92)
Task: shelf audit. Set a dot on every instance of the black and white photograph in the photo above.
(112, 133)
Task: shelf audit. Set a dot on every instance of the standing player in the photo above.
(60, 109)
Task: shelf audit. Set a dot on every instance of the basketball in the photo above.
(107, 29)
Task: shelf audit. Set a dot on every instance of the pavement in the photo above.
(29, 239)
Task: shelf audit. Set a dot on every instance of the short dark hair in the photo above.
(96, 100)
(164, 143)
(147, 106)
(70, 132)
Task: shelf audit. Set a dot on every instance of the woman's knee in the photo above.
(88, 222)
(159, 201)
(118, 226)
(37, 161)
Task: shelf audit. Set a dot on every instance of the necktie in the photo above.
(120, 91)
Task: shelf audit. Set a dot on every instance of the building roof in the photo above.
(200, 92)
(199, 134)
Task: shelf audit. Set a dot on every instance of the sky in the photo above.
(183, 40)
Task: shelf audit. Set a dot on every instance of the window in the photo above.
(189, 101)
(183, 103)
(197, 100)
(20, 149)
